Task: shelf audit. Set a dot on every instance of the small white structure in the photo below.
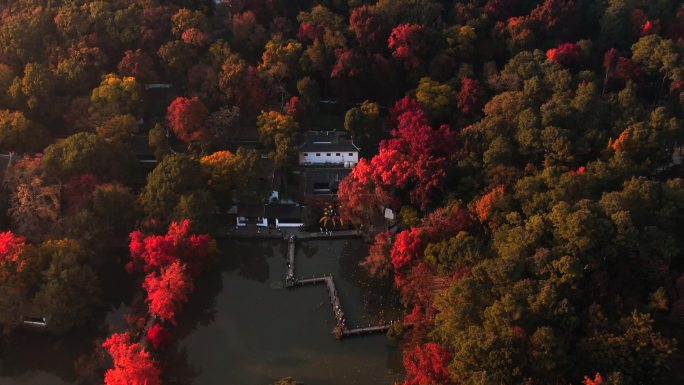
(328, 148)
(34, 322)
(251, 215)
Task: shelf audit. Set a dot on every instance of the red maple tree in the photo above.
(565, 54)
(378, 262)
(369, 27)
(133, 365)
(139, 65)
(168, 290)
(598, 380)
(152, 252)
(408, 247)
(470, 96)
(159, 336)
(408, 44)
(187, 118)
(427, 364)
(11, 249)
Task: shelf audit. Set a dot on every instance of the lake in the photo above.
(242, 327)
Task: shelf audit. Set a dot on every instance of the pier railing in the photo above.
(342, 330)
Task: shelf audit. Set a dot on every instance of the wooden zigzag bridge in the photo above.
(341, 330)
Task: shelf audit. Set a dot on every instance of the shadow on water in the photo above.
(260, 332)
(241, 326)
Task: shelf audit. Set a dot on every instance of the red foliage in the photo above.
(470, 96)
(414, 159)
(598, 380)
(309, 32)
(580, 170)
(405, 104)
(159, 336)
(360, 198)
(247, 32)
(187, 117)
(565, 54)
(554, 14)
(378, 262)
(427, 364)
(408, 247)
(295, 108)
(194, 36)
(642, 26)
(484, 205)
(408, 43)
(79, 190)
(139, 65)
(152, 252)
(417, 284)
(11, 249)
(133, 365)
(500, 9)
(350, 63)
(168, 291)
(156, 26)
(627, 69)
(369, 28)
(445, 222)
(610, 60)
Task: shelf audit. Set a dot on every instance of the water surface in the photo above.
(241, 327)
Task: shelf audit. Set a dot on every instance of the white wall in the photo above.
(323, 157)
(288, 225)
(261, 222)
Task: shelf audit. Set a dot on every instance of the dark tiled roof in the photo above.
(250, 211)
(327, 141)
(283, 211)
(315, 179)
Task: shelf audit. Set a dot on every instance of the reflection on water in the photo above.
(241, 327)
(261, 332)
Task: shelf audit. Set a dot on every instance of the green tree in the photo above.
(200, 208)
(118, 128)
(19, 134)
(308, 90)
(70, 292)
(86, 153)
(173, 177)
(279, 133)
(115, 96)
(364, 124)
(437, 99)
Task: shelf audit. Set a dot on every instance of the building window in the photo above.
(318, 154)
(338, 154)
(351, 154)
(305, 154)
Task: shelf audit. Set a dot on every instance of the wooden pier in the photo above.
(366, 330)
(338, 311)
(289, 276)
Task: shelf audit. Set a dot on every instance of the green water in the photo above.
(241, 327)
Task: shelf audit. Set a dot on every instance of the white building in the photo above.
(328, 148)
